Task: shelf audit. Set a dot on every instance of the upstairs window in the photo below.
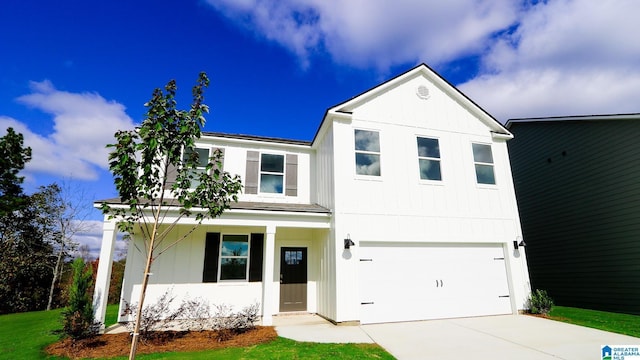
(272, 173)
(429, 159)
(202, 155)
(483, 161)
(367, 145)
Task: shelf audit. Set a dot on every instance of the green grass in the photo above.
(607, 321)
(282, 348)
(112, 315)
(24, 335)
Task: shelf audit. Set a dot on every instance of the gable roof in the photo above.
(345, 108)
(633, 116)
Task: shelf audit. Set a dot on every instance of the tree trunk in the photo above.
(136, 329)
(143, 290)
(56, 271)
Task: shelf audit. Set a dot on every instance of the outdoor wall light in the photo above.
(518, 242)
(348, 243)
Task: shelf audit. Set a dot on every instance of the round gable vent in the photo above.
(423, 92)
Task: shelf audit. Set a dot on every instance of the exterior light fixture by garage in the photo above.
(518, 242)
(348, 243)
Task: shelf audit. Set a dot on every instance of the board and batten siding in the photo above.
(242, 158)
(398, 206)
(323, 194)
(578, 190)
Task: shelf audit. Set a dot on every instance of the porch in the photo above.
(252, 254)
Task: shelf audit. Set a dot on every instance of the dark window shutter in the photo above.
(171, 175)
(215, 167)
(211, 253)
(251, 180)
(291, 185)
(255, 257)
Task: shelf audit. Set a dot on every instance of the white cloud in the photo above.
(376, 33)
(565, 58)
(84, 123)
(538, 58)
(91, 236)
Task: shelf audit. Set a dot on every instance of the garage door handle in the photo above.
(366, 303)
(503, 296)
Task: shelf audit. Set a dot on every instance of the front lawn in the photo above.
(607, 321)
(282, 348)
(24, 335)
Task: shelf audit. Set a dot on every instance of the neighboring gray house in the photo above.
(577, 182)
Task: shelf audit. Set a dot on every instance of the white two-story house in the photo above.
(402, 207)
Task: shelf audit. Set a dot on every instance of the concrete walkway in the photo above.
(313, 328)
(493, 337)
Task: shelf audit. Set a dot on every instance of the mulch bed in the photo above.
(112, 345)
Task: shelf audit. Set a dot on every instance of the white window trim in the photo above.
(195, 148)
(379, 153)
(220, 256)
(493, 166)
(284, 174)
(429, 181)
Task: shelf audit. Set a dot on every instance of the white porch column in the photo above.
(268, 287)
(103, 277)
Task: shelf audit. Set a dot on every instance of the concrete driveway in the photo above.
(493, 337)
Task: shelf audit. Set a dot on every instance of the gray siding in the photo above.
(578, 189)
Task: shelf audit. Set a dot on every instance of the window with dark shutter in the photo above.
(211, 252)
(255, 257)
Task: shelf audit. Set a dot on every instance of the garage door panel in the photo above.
(418, 281)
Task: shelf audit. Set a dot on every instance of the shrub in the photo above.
(78, 319)
(155, 317)
(194, 315)
(247, 318)
(223, 322)
(540, 302)
(227, 323)
(197, 314)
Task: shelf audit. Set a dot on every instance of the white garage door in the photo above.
(418, 282)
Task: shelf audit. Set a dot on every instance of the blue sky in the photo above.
(73, 72)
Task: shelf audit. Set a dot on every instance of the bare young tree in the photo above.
(68, 212)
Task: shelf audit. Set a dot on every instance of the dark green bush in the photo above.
(78, 319)
(540, 302)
